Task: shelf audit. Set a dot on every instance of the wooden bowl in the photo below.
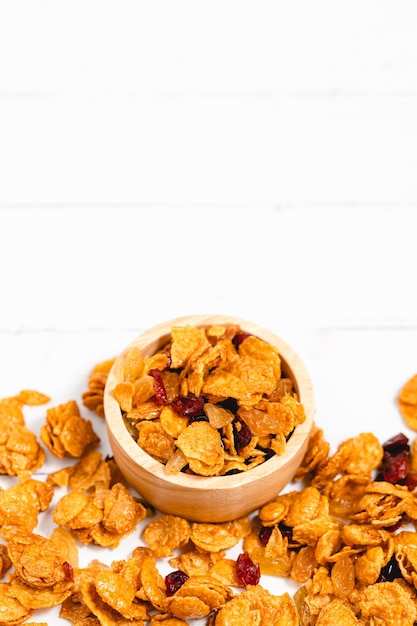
(201, 498)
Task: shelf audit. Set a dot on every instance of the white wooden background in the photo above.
(256, 159)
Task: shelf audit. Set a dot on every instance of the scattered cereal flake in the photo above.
(407, 402)
(388, 604)
(221, 536)
(12, 611)
(66, 432)
(32, 397)
(166, 533)
(337, 612)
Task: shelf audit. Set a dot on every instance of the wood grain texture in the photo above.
(207, 499)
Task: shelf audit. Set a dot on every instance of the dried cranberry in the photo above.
(264, 534)
(247, 571)
(410, 481)
(241, 433)
(396, 444)
(395, 467)
(237, 339)
(68, 570)
(390, 571)
(188, 406)
(160, 392)
(174, 581)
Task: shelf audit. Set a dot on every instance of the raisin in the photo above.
(286, 531)
(160, 392)
(247, 571)
(174, 581)
(188, 406)
(241, 433)
(390, 571)
(202, 417)
(230, 404)
(264, 534)
(237, 339)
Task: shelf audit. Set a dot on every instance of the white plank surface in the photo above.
(256, 159)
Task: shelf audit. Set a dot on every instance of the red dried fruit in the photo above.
(410, 481)
(174, 581)
(188, 406)
(237, 339)
(68, 570)
(247, 571)
(241, 433)
(395, 467)
(160, 392)
(396, 444)
(264, 534)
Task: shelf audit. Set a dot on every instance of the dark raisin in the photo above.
(202, 417)
(160, 392)
(247, 571)
(237, 339)
(264, 534)
(188, 406)
(286, 531)
(390, 571)
(242, 434)
(174, 581)
(230, 404)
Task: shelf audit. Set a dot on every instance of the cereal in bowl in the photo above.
(212, 401)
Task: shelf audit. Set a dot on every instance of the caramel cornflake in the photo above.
(193, 562)
(103, 517)
(258, 606)
(32, 397)
(220, 536)
(388, 604)
(407, 402)
(337, 612)
(358, 455)
(89, 473)
(5, 562)
(274, 558)
(20, 453)
(165, 534)
(317, 452)
(201, 445)
(11, 610)
(20, 505)
(66, 432)
(232, 378)
(198, 597)
(93, 397)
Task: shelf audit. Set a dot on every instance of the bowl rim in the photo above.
(152, 339)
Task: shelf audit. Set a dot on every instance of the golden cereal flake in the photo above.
(202, 446)
(407, 402)
(165, 534)
(219, 536)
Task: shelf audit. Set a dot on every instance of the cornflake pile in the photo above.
(346, 537)
(212, 401)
